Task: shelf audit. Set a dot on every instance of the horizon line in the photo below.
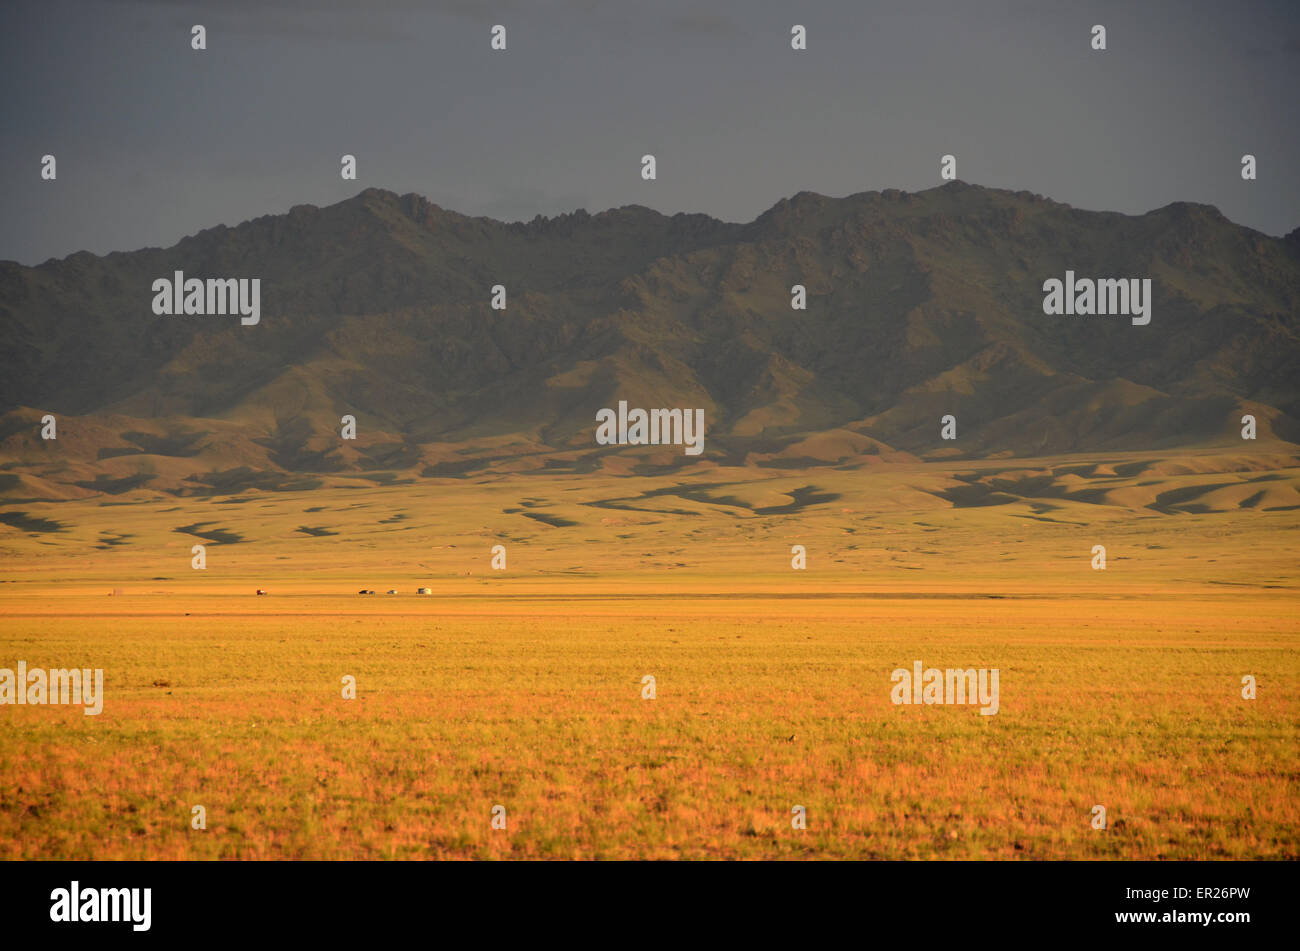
(955, 184)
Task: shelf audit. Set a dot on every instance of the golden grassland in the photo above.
(523, 688)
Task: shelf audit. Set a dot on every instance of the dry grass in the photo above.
(1119, 688)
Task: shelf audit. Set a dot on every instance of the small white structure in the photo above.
(392, 591)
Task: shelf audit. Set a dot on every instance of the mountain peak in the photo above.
(1190, 209)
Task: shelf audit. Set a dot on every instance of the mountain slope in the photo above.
(919, 305)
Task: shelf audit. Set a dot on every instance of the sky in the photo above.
(155, 141)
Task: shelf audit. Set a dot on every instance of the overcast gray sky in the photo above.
(155, 141)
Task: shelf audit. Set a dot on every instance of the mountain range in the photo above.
(919, 305)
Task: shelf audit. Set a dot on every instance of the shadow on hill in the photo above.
(231, 481)
(31, 523)
(109, 486)
(800, 499)
(216, 535)
(178, 444)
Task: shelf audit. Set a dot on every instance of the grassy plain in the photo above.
(523, 688)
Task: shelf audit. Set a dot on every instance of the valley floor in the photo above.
(523, 688)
